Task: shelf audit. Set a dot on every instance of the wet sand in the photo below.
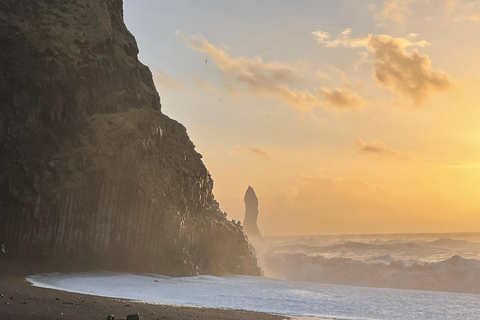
(21, 301)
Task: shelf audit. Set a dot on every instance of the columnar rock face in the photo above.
(251, 214)
(90, 169)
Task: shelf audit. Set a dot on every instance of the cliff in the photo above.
(90, 169)
(251, 215)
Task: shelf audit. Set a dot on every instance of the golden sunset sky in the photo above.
(344, 116)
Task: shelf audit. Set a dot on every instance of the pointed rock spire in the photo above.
(251, 214)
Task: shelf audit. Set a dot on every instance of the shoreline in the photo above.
(23, 301)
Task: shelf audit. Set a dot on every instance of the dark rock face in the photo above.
(90, 169)
(251, 214)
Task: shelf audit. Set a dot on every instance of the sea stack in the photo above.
(251, 214)
(91, 170)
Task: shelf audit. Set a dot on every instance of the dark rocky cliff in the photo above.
(90, 169)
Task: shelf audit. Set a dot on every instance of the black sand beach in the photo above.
(21, 301)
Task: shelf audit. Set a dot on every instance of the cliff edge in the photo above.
(90, 169)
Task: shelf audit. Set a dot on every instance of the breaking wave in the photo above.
(442, 264)
(456, 274)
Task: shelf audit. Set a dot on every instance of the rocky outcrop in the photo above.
(90, 169)
(251, 214)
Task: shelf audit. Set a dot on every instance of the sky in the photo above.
(344, 116)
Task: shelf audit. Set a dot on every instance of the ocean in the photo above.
(442, 262)
(409, 276)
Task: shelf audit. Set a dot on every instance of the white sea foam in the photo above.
(443, 262)
(271, 295)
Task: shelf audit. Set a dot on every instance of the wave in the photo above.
(401, 249)
(456, 274)
(369, 251)
(453, 243)
(371, 246)
(305, 248)
(375, 244)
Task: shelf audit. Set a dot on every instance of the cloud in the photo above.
(321, 74)
(341, 99)
(253, 71)
(376, 147)
(454, 10)
(395, 10)
(264, 155)
(164, 80)
(461, 10)
(268, 79)
(259, 152)
(344, 40)
(408, 74)
(461, 164)
(207, 86)
(363, 59)
(301, 100)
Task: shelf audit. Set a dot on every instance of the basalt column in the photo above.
(90, 169)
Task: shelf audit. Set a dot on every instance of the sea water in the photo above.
(271, 295)
(409, 276)
(441, 262)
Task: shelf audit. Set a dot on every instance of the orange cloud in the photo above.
(455, 10)
(164, 80)
(461, 164)
(344, 40)
(322, 75)
(272, 79)
(264, 155)
(341, 99)
(395, 10)
(207, 86)
(408, 74)
(259, 152)
(376, 147)
(461, 10)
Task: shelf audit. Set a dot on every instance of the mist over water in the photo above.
(440, 262)
(334, 277)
